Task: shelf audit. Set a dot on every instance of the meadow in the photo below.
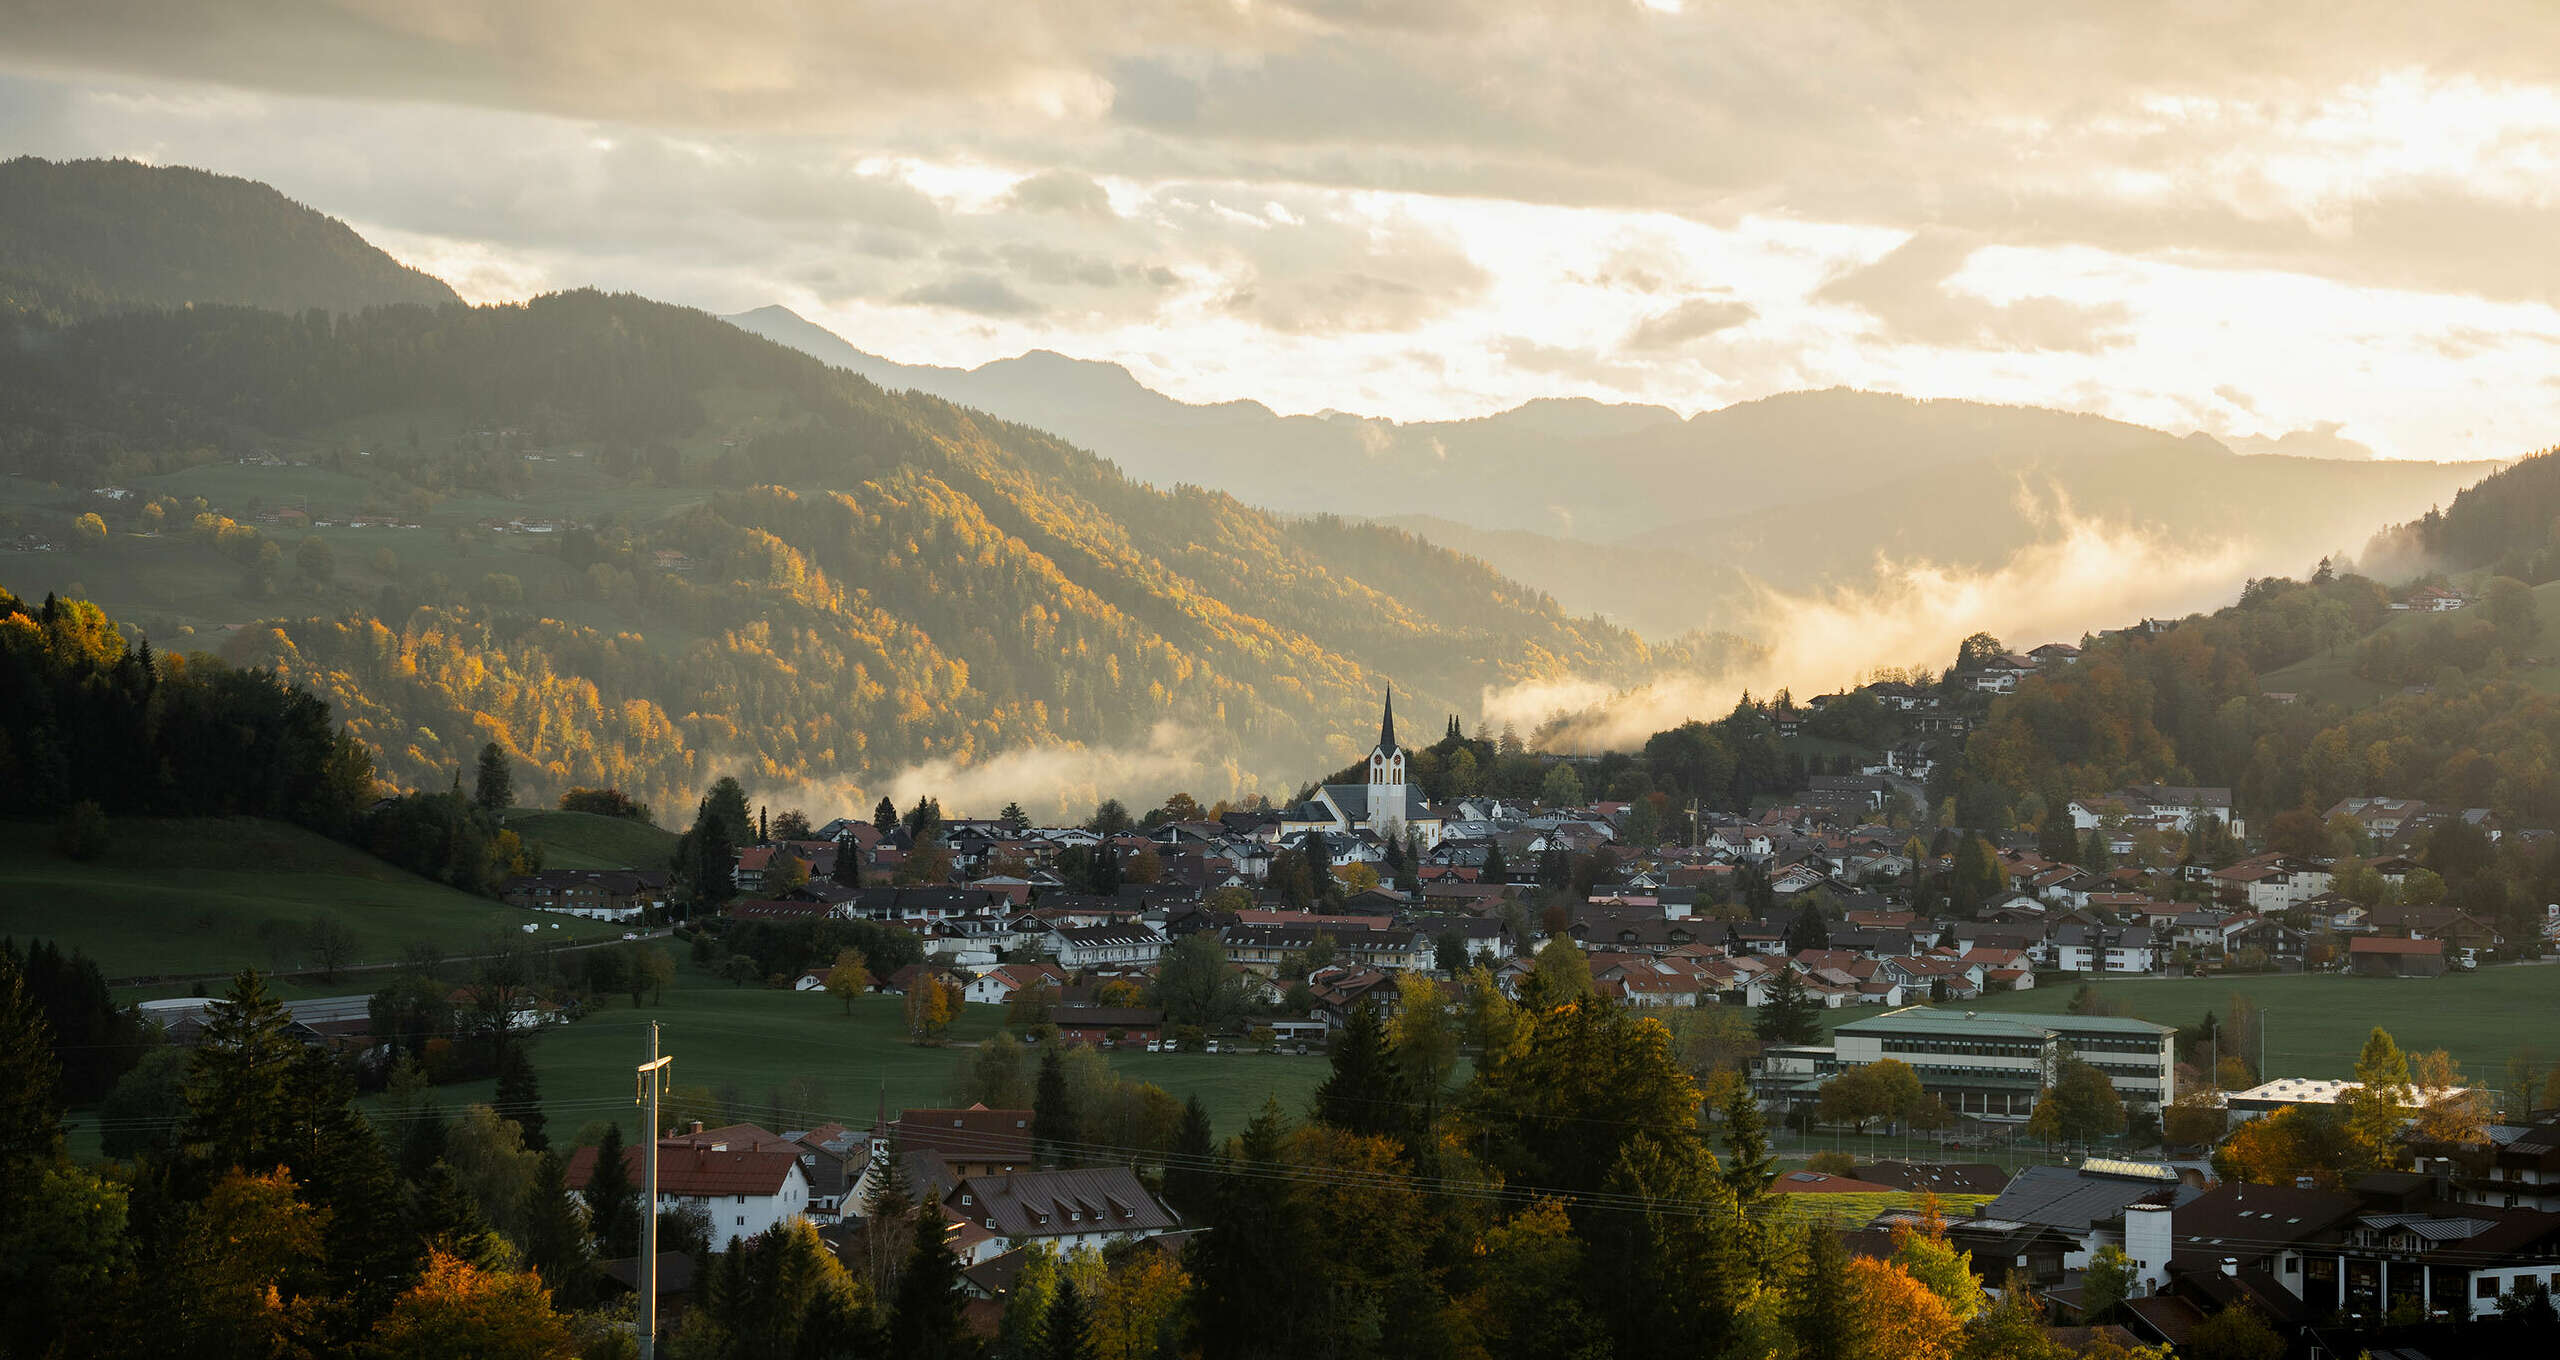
(795, 1059)
(203, 897)
(585, 840)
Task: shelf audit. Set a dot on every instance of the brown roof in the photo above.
(1046, 1203)
(976, 1134)
(687, 1168)
(1817, 1183)
(2374, 944)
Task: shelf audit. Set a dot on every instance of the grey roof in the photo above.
(2066, 1197)
(1045, 1203)
(1353, 799)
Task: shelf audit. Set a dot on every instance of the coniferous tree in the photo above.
(30, 1079)
(1494, 870)
(445, 1218)
(1014, 820)
(927, 1322)
(884, 818)
(555, 1240)
(848, 866)
(1053, 1121)
(1190, 1177)
(1824, 1314)
(495, 791)
(236, 1082)
(613, 1202)
(1252, 1295)
(1067, 1333)
(519, 1095)
(1788, 1017)
(1365, 1094)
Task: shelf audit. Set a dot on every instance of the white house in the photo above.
(1087, 946)
(1091, 1207)
(743, 1177)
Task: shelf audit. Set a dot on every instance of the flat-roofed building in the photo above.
(1993, 1065)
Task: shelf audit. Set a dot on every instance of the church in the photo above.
(1382, 804)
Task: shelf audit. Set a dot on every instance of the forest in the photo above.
(866, 580)
(1563, 1199)
(82, 238)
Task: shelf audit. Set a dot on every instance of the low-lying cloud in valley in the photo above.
(2082, 575)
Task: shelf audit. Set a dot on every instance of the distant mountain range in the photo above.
(84, 238)
(1799, 491)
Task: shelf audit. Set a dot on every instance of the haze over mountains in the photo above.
(931, 591)
(1668, 524)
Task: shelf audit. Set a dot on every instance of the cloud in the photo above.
(1062, 191)
(1691, 320)
(1908, 293)
(1067, 780)
(2081, 575)
(983, 294)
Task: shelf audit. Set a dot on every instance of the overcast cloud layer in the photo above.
(2332, 218)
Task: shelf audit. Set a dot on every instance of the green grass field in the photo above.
(2317, 1023)
(2331, 676)
(584, 840)
(188, 898)
(755, 1042)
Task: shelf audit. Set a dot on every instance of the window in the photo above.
(964, 1200)
(742, 1220)
(2486, 1287)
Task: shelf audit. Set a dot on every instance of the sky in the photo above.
(2323, 227)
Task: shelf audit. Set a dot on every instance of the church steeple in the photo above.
(1387, 727)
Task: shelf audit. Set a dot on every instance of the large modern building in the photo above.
(1988, 1066)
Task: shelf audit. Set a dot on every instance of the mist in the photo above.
(2082, 575)
(1064, 783)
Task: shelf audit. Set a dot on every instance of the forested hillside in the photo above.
(2509, 521)
(82, 238)
(773, 565)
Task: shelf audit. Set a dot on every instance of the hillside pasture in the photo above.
(200, 897)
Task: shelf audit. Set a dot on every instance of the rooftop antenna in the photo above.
(652, 1081)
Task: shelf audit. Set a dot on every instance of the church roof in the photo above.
(1353, 799)
(1387, 724)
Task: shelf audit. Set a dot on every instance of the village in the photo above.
(1803, 912)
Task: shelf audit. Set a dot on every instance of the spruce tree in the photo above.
(30, 1077)
(1825, 1317)
(444, 1217)
(1190, 1175)
(848, 869)
(1252, 1293)
(613, 1202)
(236, 1080)
(555, 1240)
(884, 818)
(1067, 1333)
(928, 1321)
(519, 1094)
(1364, 1094)
(496, 790)
(1788, 1018)
(1054, 1134)
(1494, 871)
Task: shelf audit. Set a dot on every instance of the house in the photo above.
(744, 1178)
(997, 986)
(2087, 1202)
(2306, 1256)
(1079, 947)
(976, 1141)
(2079, 948)
(597, 894)
(2384, 956)
(1085, 1208)
(1108, 1026)
(1993, 1065)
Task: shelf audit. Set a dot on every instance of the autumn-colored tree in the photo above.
(849, 978)
(787, 873)
(2299, 1140)
(1564, 970)
(1138, 1315)
(1355, 877)
(2448, 1112)
(458, 1309)
(2234, 1332)
(1903, 1319)
(2080, 1106)
(930, 1006)
(2379, 1104)
(248, 1270)
(1921, 1249)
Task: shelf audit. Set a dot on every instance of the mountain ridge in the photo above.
(85, 238)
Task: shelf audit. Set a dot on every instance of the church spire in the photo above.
(1387, 727)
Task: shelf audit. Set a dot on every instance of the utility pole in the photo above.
(652, 1077)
